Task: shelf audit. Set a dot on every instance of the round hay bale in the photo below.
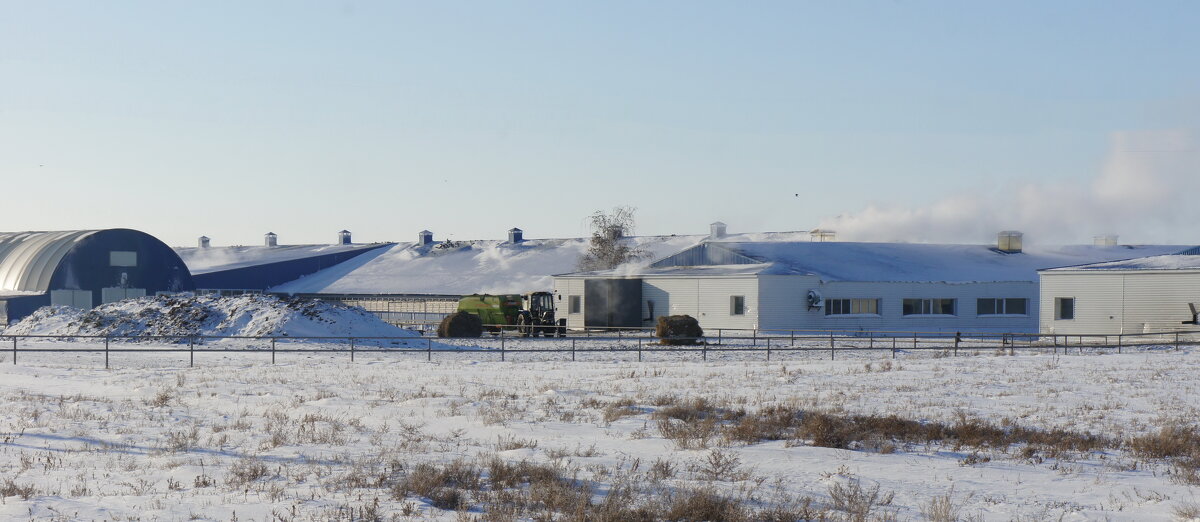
(461, 324)
(678, 330)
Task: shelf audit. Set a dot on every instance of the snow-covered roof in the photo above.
(488, 266)
(19, 293)
(900, 262)
(1166, 262)
(213, 259)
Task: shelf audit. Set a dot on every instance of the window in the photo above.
(122, 258)
(928, 307)
(1002, 306)
(851, 306)
(1064, 308)
(573, 304)
(737, 305)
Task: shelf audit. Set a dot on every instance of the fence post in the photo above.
(191, 351)
(106, 352)
(639, 349)
(754, 337)
(718, 336)
(501, 344)
(893, 347)
(572, 349)
(1177, 341)
(793, 341)
(957, 338)
(703, 351)
(429, 349)
(831, 346)
(14, 349)
(914, 343)
(272, 350)
(768, 349)
(351, 349)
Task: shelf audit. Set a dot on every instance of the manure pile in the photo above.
(207, 315)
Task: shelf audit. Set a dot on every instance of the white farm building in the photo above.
(802, 285)
(1145, 295)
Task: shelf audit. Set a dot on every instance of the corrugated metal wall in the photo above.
(705, 254)
(783, 304)
(1113, 302)
(1098, 300)
(707, 299)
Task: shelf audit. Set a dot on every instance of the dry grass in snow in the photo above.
(977, 437)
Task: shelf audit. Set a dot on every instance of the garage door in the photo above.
(81, 299)
(112, 295)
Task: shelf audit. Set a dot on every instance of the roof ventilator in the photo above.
(1009, 242)
(716, 230)
(820, 235)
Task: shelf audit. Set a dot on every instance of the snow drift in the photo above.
(191, 315)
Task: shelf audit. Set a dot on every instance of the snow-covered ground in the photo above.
(316, 437)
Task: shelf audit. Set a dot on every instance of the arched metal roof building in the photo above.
(84, 268)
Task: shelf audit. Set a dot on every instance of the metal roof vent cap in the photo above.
(271, 239)
(1009, 241)
(822, 235)
(716, 230)
(343, 237)
(1106, 240)
(425, 237)
(203, 242)
(516, 235)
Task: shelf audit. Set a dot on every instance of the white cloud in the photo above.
(1146, 192)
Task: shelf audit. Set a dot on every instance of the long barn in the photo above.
(828, 286)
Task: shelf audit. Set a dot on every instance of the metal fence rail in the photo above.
(506, 345)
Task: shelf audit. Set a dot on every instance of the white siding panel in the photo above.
(683, 295)
(782, 304)
(1158, 301)
(1114, 302)
(705, 298)
(1098, 302)
(564, 288)
(714, 302)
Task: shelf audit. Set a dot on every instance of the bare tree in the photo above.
(607, 250)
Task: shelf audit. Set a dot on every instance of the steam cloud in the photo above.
(1147, 192)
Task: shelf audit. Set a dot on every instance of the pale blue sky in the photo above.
(230, 119)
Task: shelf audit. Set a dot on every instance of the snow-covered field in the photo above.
(317, 437)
